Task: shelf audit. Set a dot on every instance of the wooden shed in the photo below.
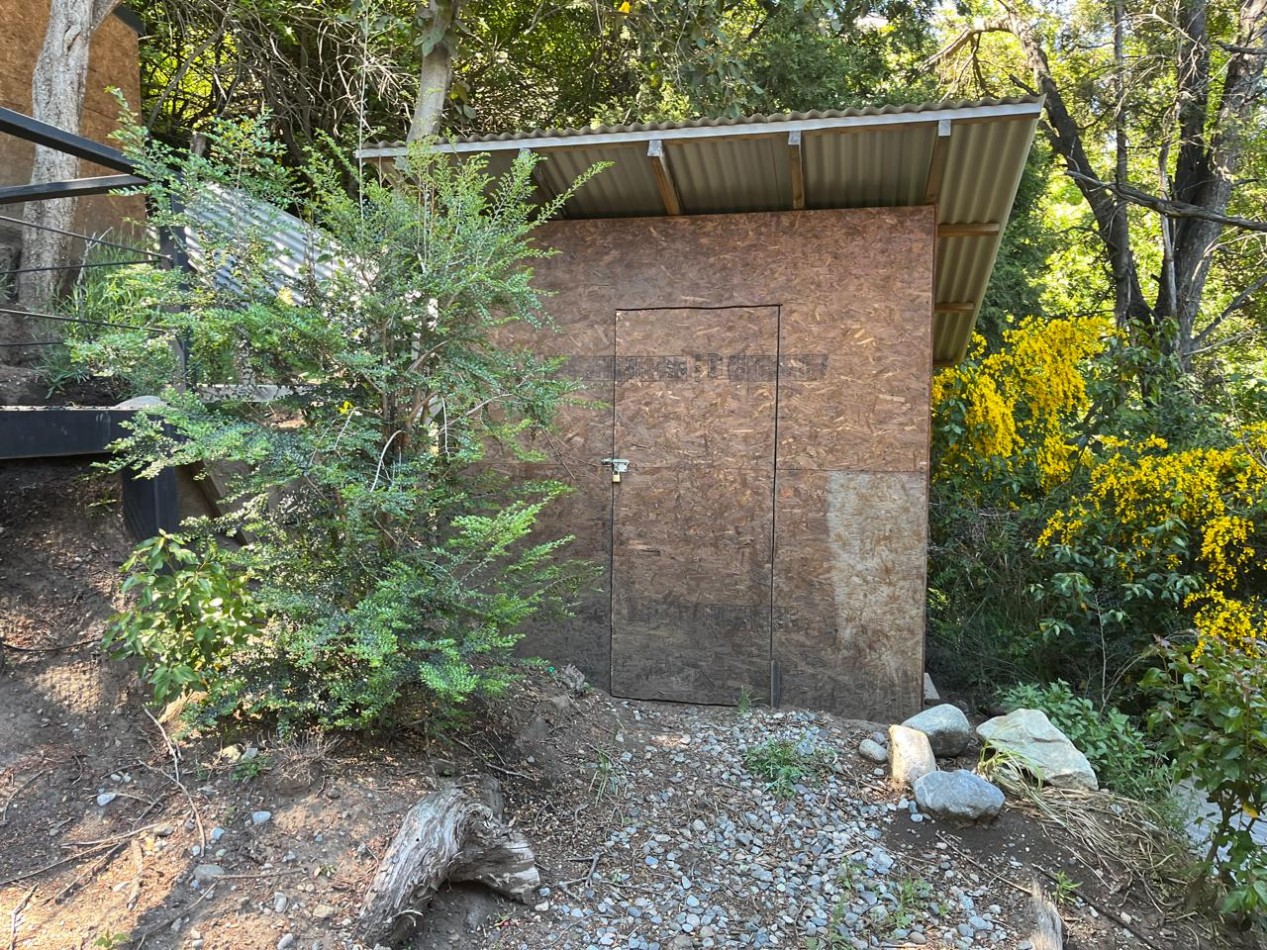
(759, 304)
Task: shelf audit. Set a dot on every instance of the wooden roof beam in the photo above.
(937, 162)
(664, 178)
(969, 229)
(796, 169)
(958, 306)
(543, 188)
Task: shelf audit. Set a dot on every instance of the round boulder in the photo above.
(872, 751)
(947, 728)
(959, 795)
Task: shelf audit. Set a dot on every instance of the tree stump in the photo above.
(447, 836)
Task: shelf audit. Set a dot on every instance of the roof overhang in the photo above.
(966, 159)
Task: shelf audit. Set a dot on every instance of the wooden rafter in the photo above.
(796, 169)
(664, 178)
(937, 163)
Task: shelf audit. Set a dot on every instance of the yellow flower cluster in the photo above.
(1144, 498)
(1238, 622)
(1019, 401)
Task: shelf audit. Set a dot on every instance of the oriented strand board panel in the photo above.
(850, 374)
(691, 585)
(849, 585)
(692, 519)
(859, 401)
(585, 515)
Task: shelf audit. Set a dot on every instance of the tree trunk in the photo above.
(1211, 179)
(1108, 210)
(57, 97)
(435, 20)
(447, 836)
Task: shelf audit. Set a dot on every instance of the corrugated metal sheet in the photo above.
(849, 159)
(907, 109)
(885, 169)
(225, 217)
(705, 170)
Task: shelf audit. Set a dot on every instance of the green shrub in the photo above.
(387, 560)
(1114, 745)
(190, 615)
(1210, 716)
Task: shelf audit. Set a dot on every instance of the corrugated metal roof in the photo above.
(966, 157)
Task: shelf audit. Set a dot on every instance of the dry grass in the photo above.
(298, 763)
(1131, 843)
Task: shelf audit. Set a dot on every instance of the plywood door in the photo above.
(692, 520)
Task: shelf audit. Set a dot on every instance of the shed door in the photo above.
(692, 519)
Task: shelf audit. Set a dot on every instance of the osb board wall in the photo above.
(113, 62)
(854, 292)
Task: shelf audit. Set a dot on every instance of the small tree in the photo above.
(384, 553)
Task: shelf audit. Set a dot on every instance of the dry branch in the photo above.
(447, 836)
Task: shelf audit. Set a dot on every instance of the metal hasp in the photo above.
(618, 467)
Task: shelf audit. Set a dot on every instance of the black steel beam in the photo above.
(41, 133)
(76, 188)
(150, 505)
(38, 432)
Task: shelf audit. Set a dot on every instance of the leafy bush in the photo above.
(190, 615)
(1116, 748)
(386, 557)
(112, 301)
(1072, 523)
(1210, 716)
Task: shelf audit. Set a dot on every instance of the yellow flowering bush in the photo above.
(999, 412)
(1123, 518)
(1004, 442)
(1156, 513)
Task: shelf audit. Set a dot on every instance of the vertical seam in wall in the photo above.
(774, 484)
(918, 698)
(611, 534)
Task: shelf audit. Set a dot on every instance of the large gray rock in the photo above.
(959, 795)
(947, 728)
(1028, 736)
(910, 755)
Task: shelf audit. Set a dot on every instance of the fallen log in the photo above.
(1049, 930)
(447, 836)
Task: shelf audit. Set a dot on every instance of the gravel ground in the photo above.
(719, 856)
